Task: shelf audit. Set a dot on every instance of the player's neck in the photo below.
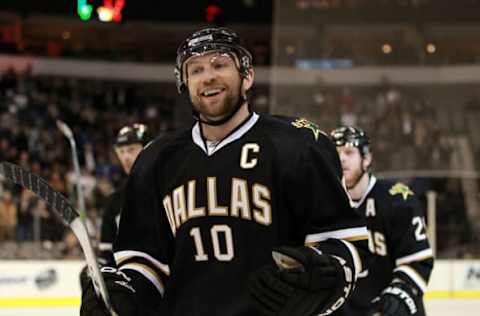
(357, 192)
(214, 133)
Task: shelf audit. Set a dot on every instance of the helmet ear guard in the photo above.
(208, 40)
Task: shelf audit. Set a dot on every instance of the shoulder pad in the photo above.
(402, 189)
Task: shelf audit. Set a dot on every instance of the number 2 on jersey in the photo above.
(226, 255)
(420, 228)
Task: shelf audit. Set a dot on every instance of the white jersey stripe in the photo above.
(197, 136)
(414, 276)
(348, 233)
(371, 183)
(121, 256)
(418, 256)
(150, 275)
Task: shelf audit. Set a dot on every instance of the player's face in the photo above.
(127, 155)
(213, 83)
(351, 161)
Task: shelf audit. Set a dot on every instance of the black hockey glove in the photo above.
(85, 279)
(398, 299)
(122, 296)
(302, 283)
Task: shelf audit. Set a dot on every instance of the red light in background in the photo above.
(212, 12)
(117, 10)
(110, 12)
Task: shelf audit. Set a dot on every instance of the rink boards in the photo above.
(56, 283)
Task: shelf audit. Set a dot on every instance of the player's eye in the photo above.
(195, 70)
(221, 61)
(219, 65)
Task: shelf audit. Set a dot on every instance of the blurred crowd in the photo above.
(29, 137)
(409, 131)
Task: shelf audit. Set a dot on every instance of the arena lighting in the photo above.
(66, 35)
(116, 9)
(386, 48)
(110, 11)
(212, 12)
(431, 48)
(84, 10)
(105, 14)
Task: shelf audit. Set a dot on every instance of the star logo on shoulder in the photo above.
(400, 188)
(304, 123)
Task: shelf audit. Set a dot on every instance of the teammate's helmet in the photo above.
(133, 134)
(211, 39)
(351, 136)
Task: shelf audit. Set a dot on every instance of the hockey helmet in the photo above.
(351, 136)
(133, 134)
(211, 39)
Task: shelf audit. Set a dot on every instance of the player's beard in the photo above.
(127, 167)
(219, 110)
(355, 174)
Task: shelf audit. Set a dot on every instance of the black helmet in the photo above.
(351, 136)
(133, 134)
(211, 39)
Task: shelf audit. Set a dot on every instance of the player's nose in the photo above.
(209, 75)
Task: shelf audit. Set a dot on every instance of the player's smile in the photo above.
(211, 92)
(213, 95)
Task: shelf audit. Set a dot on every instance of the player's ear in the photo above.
(248, 79)
(367, 161)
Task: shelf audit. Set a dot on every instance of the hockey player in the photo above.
(128, 144)
(401, 256)
(216, 217)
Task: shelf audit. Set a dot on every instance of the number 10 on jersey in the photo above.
(225, 253)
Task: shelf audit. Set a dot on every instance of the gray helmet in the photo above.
(211, 39)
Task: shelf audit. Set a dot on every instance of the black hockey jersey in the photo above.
(397, 241)
(200, 217)
(326, 147)
(109, 226)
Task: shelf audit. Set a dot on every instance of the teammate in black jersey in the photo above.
(402, 259)
(216, 218)
(128, 144)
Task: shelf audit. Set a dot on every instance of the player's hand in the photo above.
(398, 299)
(303, 282)
(122, 296)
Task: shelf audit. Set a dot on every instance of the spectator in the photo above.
(25, 216)
(8, 216)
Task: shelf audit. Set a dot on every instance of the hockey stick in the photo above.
(69, 216)
(67, 132)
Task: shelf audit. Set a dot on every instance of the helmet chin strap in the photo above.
(241, 100)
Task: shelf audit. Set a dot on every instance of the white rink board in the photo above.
(39, 283)
(51, 288)
(435, 307)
